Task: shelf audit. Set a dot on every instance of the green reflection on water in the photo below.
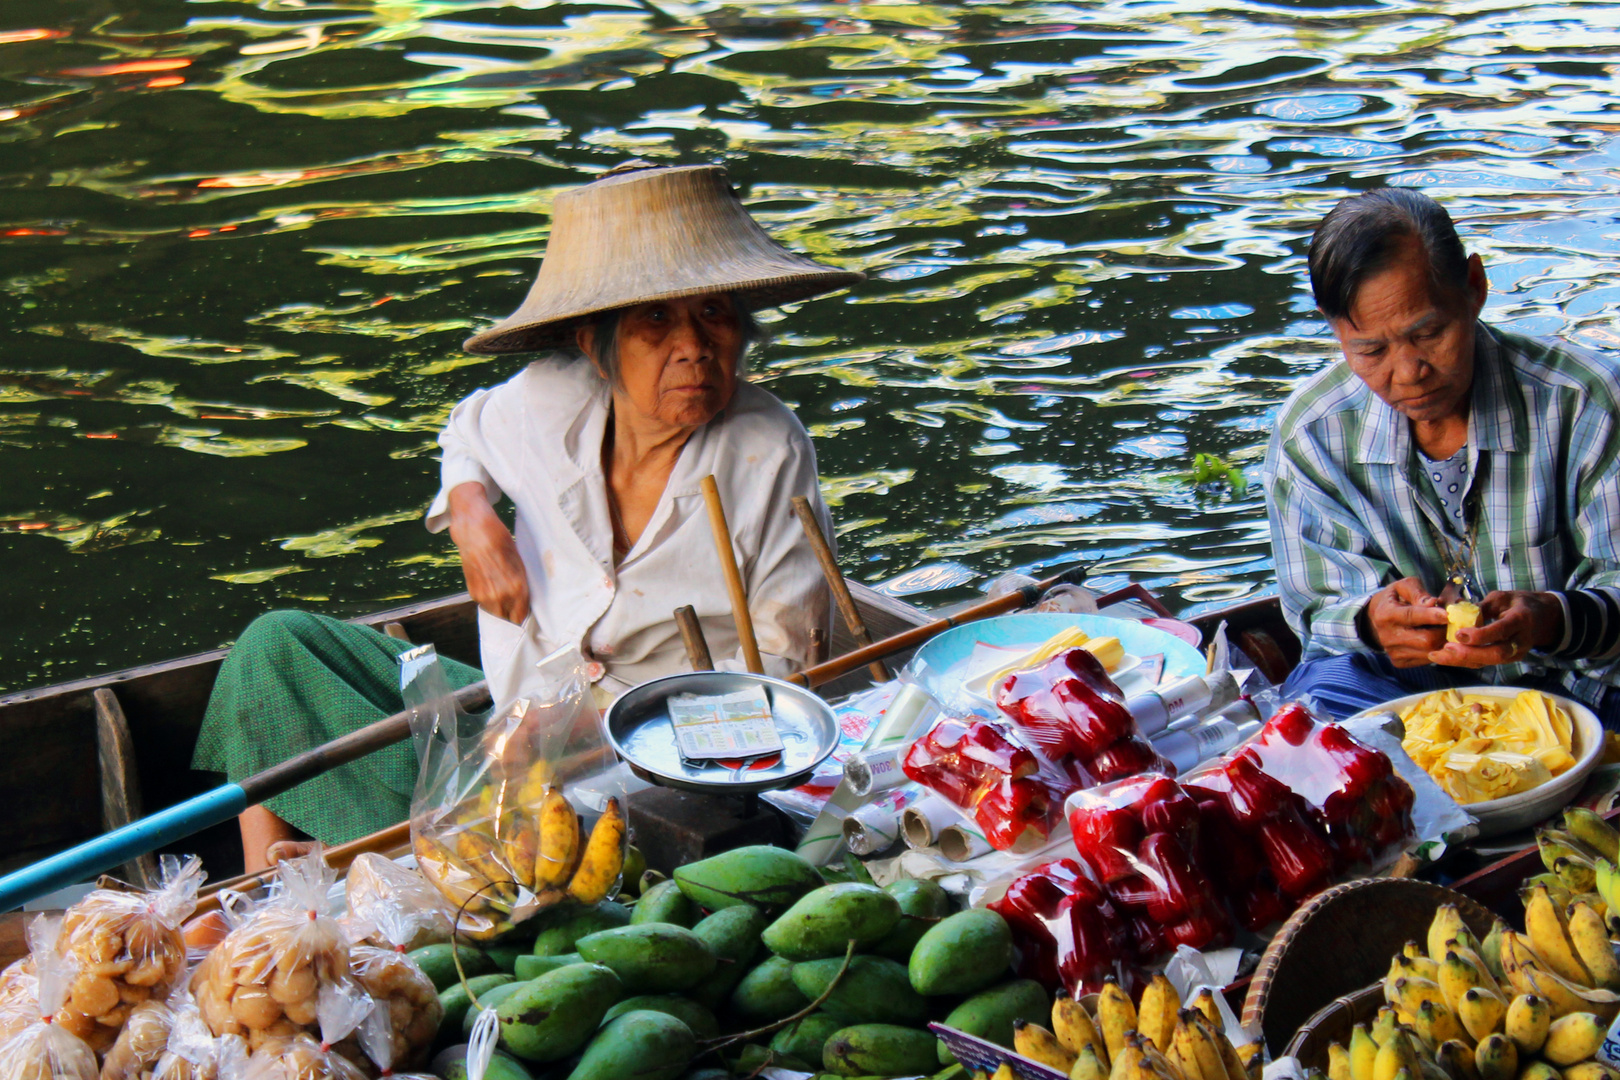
(241, 242)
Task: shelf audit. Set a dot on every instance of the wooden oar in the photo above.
(835, 582)
(907, 639)
(210, 808)
(734, 582)
(697, 646)
(338, 858)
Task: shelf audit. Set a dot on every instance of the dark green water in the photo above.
(240, 244)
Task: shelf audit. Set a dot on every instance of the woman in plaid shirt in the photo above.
(1445, 459)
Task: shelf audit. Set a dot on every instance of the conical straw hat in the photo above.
(652, 234)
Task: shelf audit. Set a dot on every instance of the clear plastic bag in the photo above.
(375, 880)
(128, 948)
(19, 997)
(142, 1042)
(984, 768)
(1065, 928)
(378, 1037)
(404, 994)
(265, 979)
(496, 815)
(302, 1057)
(44, 1049)
(194, 1053)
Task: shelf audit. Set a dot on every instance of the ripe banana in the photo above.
(1231, 1064)
(1126, 1062)
(1038, 1044)
(1457, 976)
(1539, 1070)
(1116, 1014)
(559, 841)
(1421, 964)
(1156, 1012)
(1456, 1060)
(1573, 1038)
(1554, 844)
(1384, 1025)
(1607, 882)
(1204, 1002)
(1087, 1065)
(1548, 929)
(520, 843)
(1526, 1022)
(1590, 829)
(1578, 874)
(1396, 1055)
(1446, 925)
(1496, 1058)
(1074, 1029)
(1480, 1013)
(1490, 950)
(1435, 1024)
(1338, 1063)
(1407, 994)
(1591, 940)
(1154, 1063)
(1363, 1052)
(1591, 1070)
(603, 858)
(1250, 1054)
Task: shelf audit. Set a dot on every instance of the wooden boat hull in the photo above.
(54, 779)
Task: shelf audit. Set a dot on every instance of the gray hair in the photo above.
(606, 332)
(1364, 233)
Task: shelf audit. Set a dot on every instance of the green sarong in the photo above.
(295, 680)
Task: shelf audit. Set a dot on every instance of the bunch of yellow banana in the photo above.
(1530, 1006)
(1155, 1039)
(518, 843)
(1574, 857)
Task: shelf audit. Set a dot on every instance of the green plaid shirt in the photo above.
(1352, 511)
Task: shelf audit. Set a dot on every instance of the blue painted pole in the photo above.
(121, 845)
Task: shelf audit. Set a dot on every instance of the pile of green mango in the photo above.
(734, 943)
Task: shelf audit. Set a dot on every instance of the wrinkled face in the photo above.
(1413, 349)
(677, 358)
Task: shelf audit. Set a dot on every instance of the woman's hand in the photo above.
(489, 556)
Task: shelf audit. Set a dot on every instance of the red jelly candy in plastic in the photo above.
(1065, 928)
(1068, 704)
(1107, 838)
(1128, 757)
(1010, 807)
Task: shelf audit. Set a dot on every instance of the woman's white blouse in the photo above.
(538, 440)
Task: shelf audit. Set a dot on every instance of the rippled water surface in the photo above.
(240, 243)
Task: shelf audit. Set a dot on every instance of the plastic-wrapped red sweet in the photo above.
(1070, 709)
(1065, 927)
(1006, 810)
(984, 768)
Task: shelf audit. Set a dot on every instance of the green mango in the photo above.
(874, 990)
(553, 1016)
(753, 1057)
(824, 921)
(922, 904)
(769, 878)
(532, 967)
(989, 1014)
(451, 1064)
(804, 1039)
(438, 963)
(652, 958)
(962, 954)
(561, 925)
(879, 1049)
(455, 1002)
(664, 902)
(489, 999)
(505, 957)
(767, 993)
(687, 1011)
(642, 1044)
(732, 934)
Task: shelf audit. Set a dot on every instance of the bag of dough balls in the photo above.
(378, 1037)
(401, 989)
(301, 1057)
(140, 1044)
(129, 949)
(43, 1049)
(19, 997)
(195, 1054)
(263, 981)
(375, 879)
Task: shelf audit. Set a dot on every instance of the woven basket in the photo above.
(1337, 945)
(1332, 1024)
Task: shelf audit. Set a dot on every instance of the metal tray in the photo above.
(639, 728)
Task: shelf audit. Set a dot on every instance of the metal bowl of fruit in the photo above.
(1537, 791)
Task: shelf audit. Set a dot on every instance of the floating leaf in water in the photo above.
(345, 539)
(258, 577)
(1209, 471)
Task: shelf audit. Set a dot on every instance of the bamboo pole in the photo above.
(835, 581)
(734, 582)
(338, 858)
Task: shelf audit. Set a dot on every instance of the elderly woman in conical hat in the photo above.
(641, 319)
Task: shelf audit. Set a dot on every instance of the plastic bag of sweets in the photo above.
(43, 1048)
(1352, 790)
(142, 1042)
(983, 768)
(1140, 837)
(264, 980)
(1066, 929)
(377, 1037)
(402, 991)
(304, 1057)
(1069, 708)
(376, 879)
(1236, 864)
(128, 947)
(496, 813)
(1299, 857)
(195, 1053)
(19, 996)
